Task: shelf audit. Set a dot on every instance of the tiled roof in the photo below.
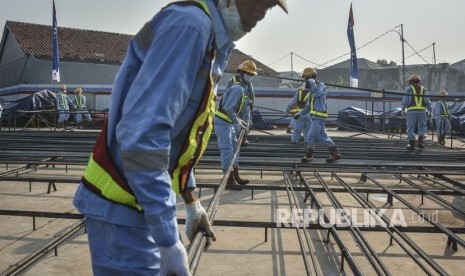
(237, 57)
(94, 46)
(73, 44)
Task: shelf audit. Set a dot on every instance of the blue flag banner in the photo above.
(353, 54)
(56, 57)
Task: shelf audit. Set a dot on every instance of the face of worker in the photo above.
(241, 16)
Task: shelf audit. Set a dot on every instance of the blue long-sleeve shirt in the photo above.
(408, 97)
(231, 101)
(155, 97)
(319, 91)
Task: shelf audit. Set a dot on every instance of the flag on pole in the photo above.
(353, 54)
(55, 56)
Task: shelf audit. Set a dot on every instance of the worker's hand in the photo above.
(297, 115)
(402, 112)
(173, 260)
(242, 124)
(197, 220)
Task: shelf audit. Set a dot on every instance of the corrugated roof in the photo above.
(93, 46)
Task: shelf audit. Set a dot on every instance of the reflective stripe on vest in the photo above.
(78, 99)
(314, 112)
(443, 109)
(220, 113)
(63, 101)
(101, 175)
(302, 98)
(419, 102)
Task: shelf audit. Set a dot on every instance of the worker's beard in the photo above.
(231, 19)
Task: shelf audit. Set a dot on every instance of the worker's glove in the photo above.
(242, 124)
(297, 115)
(197, 220)
(173, 260)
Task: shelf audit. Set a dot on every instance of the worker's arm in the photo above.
(158, 97)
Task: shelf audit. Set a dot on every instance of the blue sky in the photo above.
(314, 30)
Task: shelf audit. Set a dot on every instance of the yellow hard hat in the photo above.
(443, 93)
(308, 72)
(249, 67)
(78, 90)
(414, 78)
(283, 5)
(63, 87)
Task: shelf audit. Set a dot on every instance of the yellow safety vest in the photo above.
(444, 109)
(102, 176)
(79, 99)
(323, 114)
(220, 113)
(418, 103)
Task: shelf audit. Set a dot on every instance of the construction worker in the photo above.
(415, 101)
(63, 102)
(227, 119)
(246, 111)
(317, 108)
(159, 124)
(79, 101)
(442, 112)
(302, 124)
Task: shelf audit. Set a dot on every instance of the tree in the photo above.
(384, 63)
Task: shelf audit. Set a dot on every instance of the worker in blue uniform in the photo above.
(159, 123)
(80, 102)
(302, 125)
(317, 108)
(227, 119)
(442, 114)
(416, 102)
(63, 103)
(246, 112)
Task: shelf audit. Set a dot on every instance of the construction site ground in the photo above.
(249, 241)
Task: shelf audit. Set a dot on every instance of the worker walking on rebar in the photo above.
(317, 108)
(63, 102)
(79, 101)
(246, 112)
(442, 113)
(302, 124)
(227, 119)
(159, 124)
(416, 102)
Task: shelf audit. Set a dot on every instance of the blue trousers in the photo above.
(227, 142)
(416, 117)
(317, 133)
(63, 115)
(442, 125)
(121, 250)
(301, 125)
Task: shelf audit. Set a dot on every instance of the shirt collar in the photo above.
(222, 37)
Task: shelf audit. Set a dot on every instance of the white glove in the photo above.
(242, 124)
(173, 260)
(197, 220)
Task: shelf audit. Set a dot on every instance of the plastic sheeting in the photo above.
(359, 119)
(42, 100)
